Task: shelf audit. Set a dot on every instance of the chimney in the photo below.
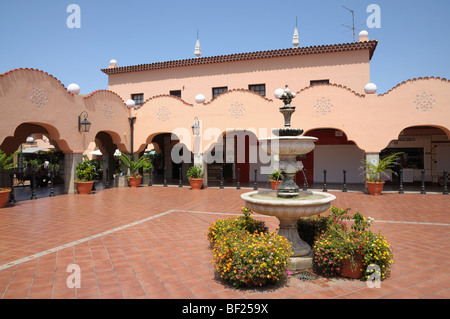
(363, 36)
(112, 64)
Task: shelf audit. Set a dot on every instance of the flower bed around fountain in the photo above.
(339, 239)
(246, 254)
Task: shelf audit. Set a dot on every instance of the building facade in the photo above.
(232, 99)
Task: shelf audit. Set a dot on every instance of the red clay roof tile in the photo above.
(367, 45)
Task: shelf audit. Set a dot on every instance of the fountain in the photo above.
(289, 203)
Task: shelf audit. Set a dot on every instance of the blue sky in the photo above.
(413, 38)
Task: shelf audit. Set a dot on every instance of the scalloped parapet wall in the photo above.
(414, 80)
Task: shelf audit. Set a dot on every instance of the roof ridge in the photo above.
(325, 48)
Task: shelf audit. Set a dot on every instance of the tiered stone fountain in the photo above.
(289, 203)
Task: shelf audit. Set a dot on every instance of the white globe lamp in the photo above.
(200, 98)
(370, 88)
(278, 93)
(131, 103)
(73, 89)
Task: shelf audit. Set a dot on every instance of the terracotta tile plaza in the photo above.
(150, 242)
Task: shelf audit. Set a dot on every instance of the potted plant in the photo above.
(375, 174)
(275, 179)
(134, 178)
(349, 251)
(6, 164)
(86, 174)
(195, 175)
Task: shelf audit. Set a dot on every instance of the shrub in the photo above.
(85, 171)
(275, 176)
(195, 171)
(245, 259)
(245, 253)
(134, 166)
(223, 227)
(310, 228)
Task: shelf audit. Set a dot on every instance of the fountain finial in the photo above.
(287, 97)
(287, 109)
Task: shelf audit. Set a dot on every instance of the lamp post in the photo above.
(131, 104)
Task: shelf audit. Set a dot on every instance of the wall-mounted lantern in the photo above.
(83, 125)
(196, 127)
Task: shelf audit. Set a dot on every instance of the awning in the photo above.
(97, 152)
(35, 150)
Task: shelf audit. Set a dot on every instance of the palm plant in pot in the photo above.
(275, 179)
(6, 163)
(134, 178)
(86, 174)
(376, 173)
(195, 175)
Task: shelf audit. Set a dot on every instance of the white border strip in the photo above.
(76, 242)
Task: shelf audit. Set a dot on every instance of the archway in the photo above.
(41, 153)
(334, 153)
(168, 157)
(239, 154)
(425, 148)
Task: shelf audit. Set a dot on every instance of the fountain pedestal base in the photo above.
(288, 229)
(301, 263)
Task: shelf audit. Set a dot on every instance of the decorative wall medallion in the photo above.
(108, 112)
(39, 98)
(163, 114)
(323, 106)
(236, 110)
(424, 102)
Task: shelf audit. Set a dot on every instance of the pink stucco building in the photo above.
(332, 99)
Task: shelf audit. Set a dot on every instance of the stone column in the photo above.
(69, 171)
(372, 158)
(199, 159)
(167, 157)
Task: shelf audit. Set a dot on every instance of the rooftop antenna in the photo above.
(353, 20)
(295, 40)
(198, 51)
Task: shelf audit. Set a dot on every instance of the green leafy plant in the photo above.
(134, 166)
(379, 172)
(6, 162)
(195, 171)
(246, 254)
(275, 176)
(85, 172)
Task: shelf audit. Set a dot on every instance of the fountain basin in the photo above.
(289, 211)
(288, 145)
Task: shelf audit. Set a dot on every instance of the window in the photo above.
(138, 98)
(217, 91)
(258, 88)
(319, 82)
(176, 93)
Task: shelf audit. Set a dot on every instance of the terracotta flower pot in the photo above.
(275, 184)
(134, 181)
(4, 196)
(351, 269)
(196, 183)
(375, 188)
(84, 188)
